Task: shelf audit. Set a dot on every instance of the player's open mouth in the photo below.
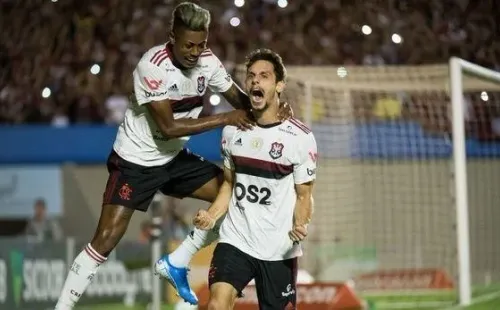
(257, 95)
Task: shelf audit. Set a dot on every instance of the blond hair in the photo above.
(190, 16)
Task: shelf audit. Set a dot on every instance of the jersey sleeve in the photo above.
(220, 81)
(150, 82)
(305, 168)
(227, 137)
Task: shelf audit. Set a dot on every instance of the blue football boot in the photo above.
(178, 278)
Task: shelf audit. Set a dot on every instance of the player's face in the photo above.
(188, 46)
(261, 85)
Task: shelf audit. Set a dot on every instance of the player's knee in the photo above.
(218, 303)
(112, 225)
(222, 296)
(105, 240)
(107, 237)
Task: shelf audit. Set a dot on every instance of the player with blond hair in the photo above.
(149, 156)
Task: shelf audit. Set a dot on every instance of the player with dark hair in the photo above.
(267, 194)
(148, 154)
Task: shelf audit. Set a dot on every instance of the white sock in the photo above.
(194, 242)
(79, 277)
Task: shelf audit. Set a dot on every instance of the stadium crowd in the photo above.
(71, 61)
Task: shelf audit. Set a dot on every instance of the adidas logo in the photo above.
(238, 142)
(173, 88)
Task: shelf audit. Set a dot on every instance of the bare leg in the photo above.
(222, 296)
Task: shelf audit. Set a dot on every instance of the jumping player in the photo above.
(148, 155)
(267, 193)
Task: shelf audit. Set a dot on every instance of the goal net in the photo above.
(386, 198)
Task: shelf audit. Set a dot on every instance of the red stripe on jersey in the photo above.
(186, 104)
(156, 54)
(157, 57)
(160, 56)
(206, 53)
(261, 168)
(160, 60)
(299, 125)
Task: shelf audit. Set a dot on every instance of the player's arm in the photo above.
(151, 90)
(162, 114)
(221, 82)
(237, 97)
(304, 176)
(304, 206)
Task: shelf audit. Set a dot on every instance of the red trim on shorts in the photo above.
(111, 184)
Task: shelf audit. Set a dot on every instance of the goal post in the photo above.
(457, 69)
(402, 211)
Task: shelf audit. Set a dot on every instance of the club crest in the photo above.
(276, 150)
(201, 84)
(125, 192)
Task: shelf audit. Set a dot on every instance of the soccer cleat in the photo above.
(178, 278)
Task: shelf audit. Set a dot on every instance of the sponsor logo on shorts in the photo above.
(289, 291)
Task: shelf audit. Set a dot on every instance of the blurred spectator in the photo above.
(116, 106)
(176, 225)
(84, 52)
(387, 107)
(41, 228)
(145, 232)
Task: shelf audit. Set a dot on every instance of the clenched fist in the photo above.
(203, 220)
(298, 233)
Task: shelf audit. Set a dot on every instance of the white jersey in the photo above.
(156, 78)
(268, 162)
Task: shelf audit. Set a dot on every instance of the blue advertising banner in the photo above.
(21, 186)
(91, 144)
(79, 144)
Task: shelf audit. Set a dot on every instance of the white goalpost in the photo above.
(407, 185)
(457, 68)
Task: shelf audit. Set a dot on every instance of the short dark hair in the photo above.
(190, 16)
(268, 55)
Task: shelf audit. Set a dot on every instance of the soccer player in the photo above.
(148, 155)
(267, 194)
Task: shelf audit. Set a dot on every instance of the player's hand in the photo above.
(285, 111)
(203, 220)
(298, 233)
(241, 119)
